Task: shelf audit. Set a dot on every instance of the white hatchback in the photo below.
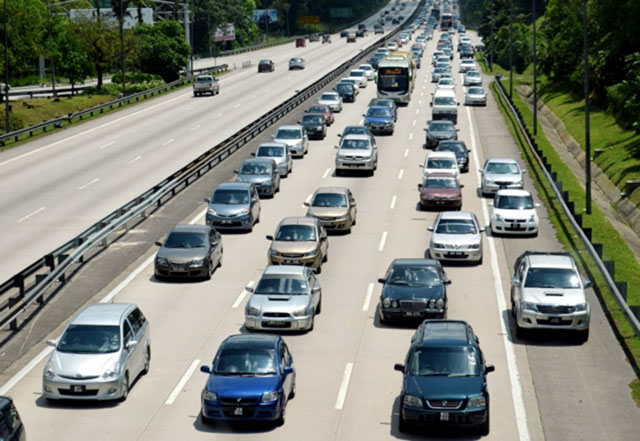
(514, 212)
(438, 162)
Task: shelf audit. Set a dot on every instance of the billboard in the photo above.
(130, 18)
(260, 16)
(228, 33)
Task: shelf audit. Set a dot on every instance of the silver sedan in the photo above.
(456, 236)
(331, 99)
(475, 96)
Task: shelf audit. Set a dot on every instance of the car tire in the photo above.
(483, 429)
(319, 270)
(319, 307)
(147, 361)
(220, 259)
(403, 426)
(209, 271)
(481, 260)
(206, 421)
(281, 418)
(583, 336)
(125, 389)
(521, 333)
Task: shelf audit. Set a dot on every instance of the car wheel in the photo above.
(481, 259)
(220, 258)
(283, 414)
(125, 387)
(403, 426)
(319, 307)
(206, 421)
(147, 361)
(583, 336)
(483, 429)
(292, 394)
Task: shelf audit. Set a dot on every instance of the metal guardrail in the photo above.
(32, 284)
(575, 219)
(59, 91)
(58, 122)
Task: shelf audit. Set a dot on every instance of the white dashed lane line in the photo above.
(383, 239)
(393, 202)
(104, 146)
(88, 184)
(242, 295)
(193, 129)
(183, 381)
(169, 141)
(400, 174)
(326, 173)
(344, 386)
(367, 298)
(33, 213)
(137, 158)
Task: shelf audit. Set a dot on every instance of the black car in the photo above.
(315, 125)
(362, 26)
(361, 33)
(440, 130)
(344, 34)
(266, 66)
(11, 427)
(445, 378)
(375, 60)
(189, 251)
(347, 92)
(460, 149)
(413, 288)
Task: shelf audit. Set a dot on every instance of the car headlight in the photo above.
(411, 401)
(243, 211)
(474, 246)
(274, 252)
(209, 396)
(269, 396)
(489, 181)
(528, 306)
(49, 372)
(386, 302)
(112, 372)
(252, 310)
(301, 312)
(580, 307)
(310, 253)
(498, 217)
(197, 262)
(162, 261)
(440, 303)
(211, 211)
(476, 402)
(438, 245)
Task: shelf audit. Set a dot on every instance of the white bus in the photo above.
(395, 78)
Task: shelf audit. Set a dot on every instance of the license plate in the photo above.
(554, 320)
(276, 322)
(238, 411)
(290, 262)
(77, 388)
(516, 226)
(226, 221)
(412, 314)
(455, 253)
(444, 416)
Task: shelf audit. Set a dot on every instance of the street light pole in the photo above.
(53, 61)
(7, 107)
(511, 50)
(535, 79)
(124, 92)
(587, 140)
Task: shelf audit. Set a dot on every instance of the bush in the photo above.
(135, 77)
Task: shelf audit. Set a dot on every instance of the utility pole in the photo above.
(511, 49)
(491, 42)
(122, 65)
(587, 140)
(535, 79)
(187, 36)
(7, 107)
(53, 60)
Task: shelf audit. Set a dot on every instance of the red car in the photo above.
(301, 42)
(325, 111)
(440, 191)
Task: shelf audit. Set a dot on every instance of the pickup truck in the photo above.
(206, 84)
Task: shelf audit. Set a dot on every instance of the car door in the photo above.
(316, 290)
(285, 360)
(352, 205)
(215, 247)
(255, 203)
(132, 353)
(516, 289)
(324, 241)
(138, 335)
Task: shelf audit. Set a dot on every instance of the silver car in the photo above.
(456, 236)
(475, 95)
(356, 152)
(286, 298)
(331, 99)
(100, 354)
(473, 78)
(262, 172)
(234, 205)
(294, 137)
(500, 173)
(279, 153)
(296, 63)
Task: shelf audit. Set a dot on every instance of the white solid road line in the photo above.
(30, 214)
(410, 136)
(106, 145)
(195, 128)
(242, 295)
(367, 298)
(393, 202)
(414, 123)
(342, 392)
(383, 239)
(168, 142)
(512, 364)
(326, 173)
(134, 160)
(237, 106)
(406, 152)
(88, 184)
(400, 174)
(182, 382)
(4, 390)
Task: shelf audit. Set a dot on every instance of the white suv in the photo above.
(547, 291)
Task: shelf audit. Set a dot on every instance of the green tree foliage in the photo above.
(100, 41)
(163, 49)
(26, 29)
(522, 46)
(72, 60)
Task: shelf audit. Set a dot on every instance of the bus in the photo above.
(446, 22)
(395, 78)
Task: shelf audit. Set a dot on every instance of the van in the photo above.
(444, 105)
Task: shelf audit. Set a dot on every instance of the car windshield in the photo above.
(265, 62)
(456, 226)
(285, 285)
(296, 60)
(552, 278)
(473, 73)
(313, 119)
(513, 202)
(90, 339)
(296, 233)
(271, 152)
(475, 91)
(412, 275)
(329, 200)
(204, 80)
(445, 361)
(439, 70)
(441, 163)
(288, 134)
(441, 127)
(344, 88)
(183, 239)
(357, 74)
(246, 361)
(502, 168)
(355, 130)
(355, 144)
(455, 147)
(444, 101)
(230, 197)
(378, 112)
(328, 97)
(318, 109)
(255, 169)
(441, 183)
(445, 82)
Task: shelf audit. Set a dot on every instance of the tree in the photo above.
(163, 49)
(72, 60)
(27, 27)
(100, 41)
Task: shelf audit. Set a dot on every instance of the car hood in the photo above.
(313, 126)
(329, 102)
(228, 210)
(442, 387)
(279, 302)
(554, 296)
(182, 255)
(440, 192)
(327, 211)
(256, 179)
(456, 239)
(401, 292)
(514, 214)
(503, 177)
(294, 247)
(357, 153)
(83, 365)
(440, 134)
(376, 119)
(288, 142)
(237, 386)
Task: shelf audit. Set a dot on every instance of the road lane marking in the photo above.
(383, 239)
(168, 141)
(242, 295)
(512, 364)
(182, 382)
(104, 146)
(410, 136)
(367, 298)
(401, 174)
(134, 160)
(88, 184)
(199, 216)
(406, 152)
(414, 123)
(393, 202)
(33, 213)
(193, 129)
(344, 386)
(4, 390)
(237, 106)
(218, 115)
(326, 173)
(417, 111)
(420, 102)
(421, 93)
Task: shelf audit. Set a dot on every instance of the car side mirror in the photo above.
(420, 186)
(236, 171)
(524, 170)
(287, 370)
(306, 204)
(269, 237)
(588, 283)
(482, 229)
(382, 280)
(249, 288)
(429, 228)
(461, 185)
(458, 104)
(158, 244)
(515, 282)
(489, 368)
(255, 198)
(205, 369)
(457, 130)
(273, 136)
(207, 200)
(447, 282)
(253, 153)
(398, 367)
(336, 147)
(53, 343)
(481, 170)
(131, 343)
(339, 135)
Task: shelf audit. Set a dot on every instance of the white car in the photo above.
(392, 46)
(369, 70)
(361, 76)
(446, 83)
(514, 212)
(436, 54)
(439, 162)
(475, 95)
(467, 65)
(473, 78)
(331, 99)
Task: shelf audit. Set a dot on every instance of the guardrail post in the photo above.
(40, 278)
(18, 282)
(62, 258)
(50, 261)
(587, 232)
(636, 310)
(578, 218)
(598, 247)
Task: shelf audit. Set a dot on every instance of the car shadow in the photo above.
(352, 174)
(238, 427)
(540, 337)
(177, 280)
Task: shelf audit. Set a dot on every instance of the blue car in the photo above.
(251, 379)
(379, 119)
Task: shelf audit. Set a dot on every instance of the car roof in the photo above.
(456, 215)
(504, 160)
(253, 340)
(290, 126)
(514, 192)
(285, 270)
(357, 136)
(414, 261)
(191, 228)
(234, 186)
(442, 174)
(298, 220)
(340, 190)
(379, 107)
(261, 160)
(437, 155)
(102, 314)
(551, 260)
(335, 94)
(443, 333)
(273, 144)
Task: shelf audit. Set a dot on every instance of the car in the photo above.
(369, 71)
(334, 207)
(437, 73)
(315, 125)
(436, 55)
(375, 60)
(286, 298)
(379, 119)
(361, 76)
(11, 426)
(362, 26)
(466, 51)
(326, 38)
(385, 102)
(459, 148)
(514, 212)
(467, 65)
(189, 251)
(299, 241)
(233, 206)
(392, 46)
(344, 34)
(356, 130)
(440, 162)
(331, 99)
(384, 51)
(278, 152)
(446, 83)
(251, 378)
(440, 190)
(266, 66)
(416, 58)
(440, 130)
(301, 42)
(313, 38)
(101, 353)
(500, 173)
(355, 82)
(262, 172)
(347, 92)
(294, 137)
(462, 29)
(475, 95)
(548, 292)
(296, 63)
(325, 111)
(456, 236)
(413, 288)
(356, 152)
(206, 84)
(473, 78)
(351, 38)
(444, 378)
(378, 29)
(443, 60)
(361, 33)
(444, 105)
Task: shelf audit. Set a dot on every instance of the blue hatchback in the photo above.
(251, 379)
(379, 119)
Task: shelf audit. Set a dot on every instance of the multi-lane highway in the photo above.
(545, 388)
